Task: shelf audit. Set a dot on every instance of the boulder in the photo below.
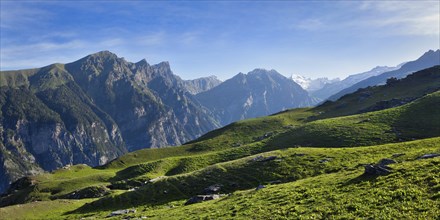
(201, 198)
(264, 159)
(275, 182)
(236, 144)
(260, 187)
(212, 189)
(427, 156)
(88, 192)
(373, 169)
(325, 160)
(380, 168)
(121, 212)
(385, 162)
(266, 135)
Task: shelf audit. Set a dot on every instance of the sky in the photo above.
(202, 38)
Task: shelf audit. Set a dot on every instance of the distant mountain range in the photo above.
(331, 88)
(260, 92)
(428, 59)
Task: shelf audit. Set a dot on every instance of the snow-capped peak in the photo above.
(311, 84)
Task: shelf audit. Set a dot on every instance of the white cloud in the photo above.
(404, 17)
(17, 16)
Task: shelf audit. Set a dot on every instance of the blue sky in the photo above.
(311, 38)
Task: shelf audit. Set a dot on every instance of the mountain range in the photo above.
(257, 93)
(428, 59)
(376, 147)
(100, 107)
(331, 88)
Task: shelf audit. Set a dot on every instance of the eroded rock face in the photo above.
(31, 148)
(150, 104)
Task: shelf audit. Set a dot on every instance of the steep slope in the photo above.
(47, 122)
(199, 85)
(91, 111)
(429, 59)
(258, 93)
(332, 88)
(159, 111)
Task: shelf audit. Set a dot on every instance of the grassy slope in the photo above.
(411, 192)
(364, 129)
(337, 187)
(236, 134)
(418, 119)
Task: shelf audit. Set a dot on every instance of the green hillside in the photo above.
(395, 93)
(311, 163)
(308, 187)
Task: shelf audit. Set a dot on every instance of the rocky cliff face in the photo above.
(47, 123)
(148, 102)
(91, 111)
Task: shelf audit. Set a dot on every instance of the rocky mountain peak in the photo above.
(262, 71)
(163, 65)
(142, 62)
(431, 53)
(105, 54)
